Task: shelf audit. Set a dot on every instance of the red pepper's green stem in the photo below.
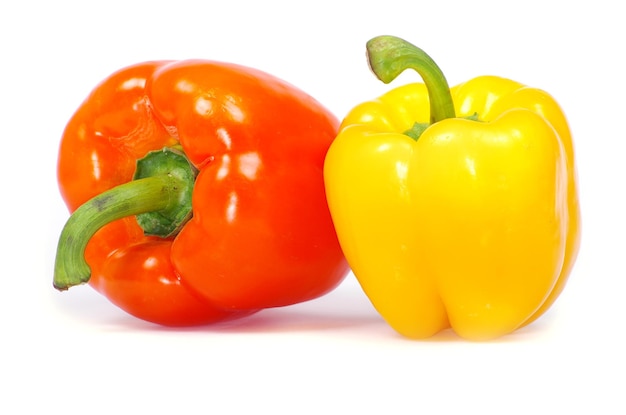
(166, 193)
(389, 56)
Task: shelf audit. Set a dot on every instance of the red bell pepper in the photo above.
(227, 212)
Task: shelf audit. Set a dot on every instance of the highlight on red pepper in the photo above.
(455, 207)
(197, 193)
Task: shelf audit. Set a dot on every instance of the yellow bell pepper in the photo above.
(456, 208)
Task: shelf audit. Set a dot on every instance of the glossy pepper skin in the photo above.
(474, 225)
(260, 234)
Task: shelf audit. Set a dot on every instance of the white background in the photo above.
(76, 353)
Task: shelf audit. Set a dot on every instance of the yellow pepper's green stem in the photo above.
(160, 196)
(389, 56)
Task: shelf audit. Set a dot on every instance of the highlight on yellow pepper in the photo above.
(455, 207)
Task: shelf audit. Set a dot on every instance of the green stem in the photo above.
(389, 56)
(165, 191)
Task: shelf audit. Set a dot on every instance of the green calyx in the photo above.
(173, 165)
(389, 56)
(416, 131)
(419, 127)
(159, 196)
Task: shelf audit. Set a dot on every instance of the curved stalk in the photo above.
(160, 196)
(389, 56)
